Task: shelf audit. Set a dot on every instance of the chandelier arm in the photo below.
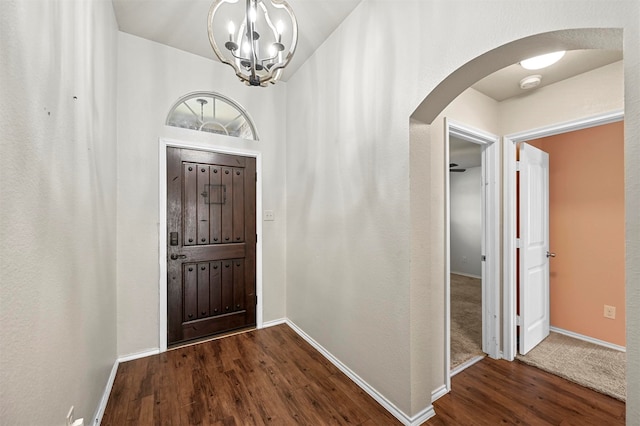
(294, 39)
(271, 58)
(238, 57)
(212, 11)
(259, 71)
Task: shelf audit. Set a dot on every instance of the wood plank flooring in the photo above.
(268, 376)
(494, 392)
(272, 376)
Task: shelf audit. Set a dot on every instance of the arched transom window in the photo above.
(213, 113)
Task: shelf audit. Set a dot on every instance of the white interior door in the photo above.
(534, 247)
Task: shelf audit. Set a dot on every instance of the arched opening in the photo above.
(473, 71)
(508, 54)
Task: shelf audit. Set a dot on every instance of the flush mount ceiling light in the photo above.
(258, 37)
(530, 82)
(542, 61)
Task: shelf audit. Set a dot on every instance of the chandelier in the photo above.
(257, 42)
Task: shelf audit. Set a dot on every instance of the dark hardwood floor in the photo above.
(498, 392)
(269, 376)
(272, 376)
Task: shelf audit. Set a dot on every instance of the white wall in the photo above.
(466, 222)
(347, 197)
(428, 169)
(594, 92)
(350, 246)
(350, 276)
(151, 77)
(57, 208)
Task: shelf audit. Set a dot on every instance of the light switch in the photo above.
(269, 216)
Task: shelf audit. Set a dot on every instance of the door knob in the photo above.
(178, 256)
(549, 254)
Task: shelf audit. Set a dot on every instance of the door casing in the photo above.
(490, 243)
(162, 223)
(509, 142)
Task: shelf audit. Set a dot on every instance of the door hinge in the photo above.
(256, 238)
(256, 296)
(517, 166)
(483, 258)
(518, 321)
(256, 176)
(517, 242)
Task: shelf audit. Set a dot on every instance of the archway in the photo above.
(461, 79)
(508, 54)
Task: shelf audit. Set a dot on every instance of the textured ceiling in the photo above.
(183, 24)
(505, 83)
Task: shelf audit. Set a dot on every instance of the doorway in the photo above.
(163, 255)
(472, 254)
(211, 243)
(510, 215)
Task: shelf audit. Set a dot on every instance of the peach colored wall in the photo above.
(586, 213)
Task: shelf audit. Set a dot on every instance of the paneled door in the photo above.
(211, 243)
(534, 247)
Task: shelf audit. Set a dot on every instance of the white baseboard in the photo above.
(418, 419)
(439, 393)
(107, 389)
(464, 274)
(415, 420)
(141, 354)
(274, 322)
(105, 395)
(466, 364)
(422, 416)
(588, 339)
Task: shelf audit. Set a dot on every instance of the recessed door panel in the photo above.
(534, 246)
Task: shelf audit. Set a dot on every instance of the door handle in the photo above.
(549, 254)
(178, 256)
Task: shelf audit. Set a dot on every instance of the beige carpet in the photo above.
(466, 319)
(587, 364)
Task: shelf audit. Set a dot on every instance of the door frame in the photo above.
(509, 142)
(162, 222)
(490, 244)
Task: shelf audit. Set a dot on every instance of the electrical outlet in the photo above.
(609, 311)
(269, 215)
(70, 417)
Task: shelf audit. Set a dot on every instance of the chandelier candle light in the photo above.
(261, 45)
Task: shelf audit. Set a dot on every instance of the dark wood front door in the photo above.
(211, 243)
